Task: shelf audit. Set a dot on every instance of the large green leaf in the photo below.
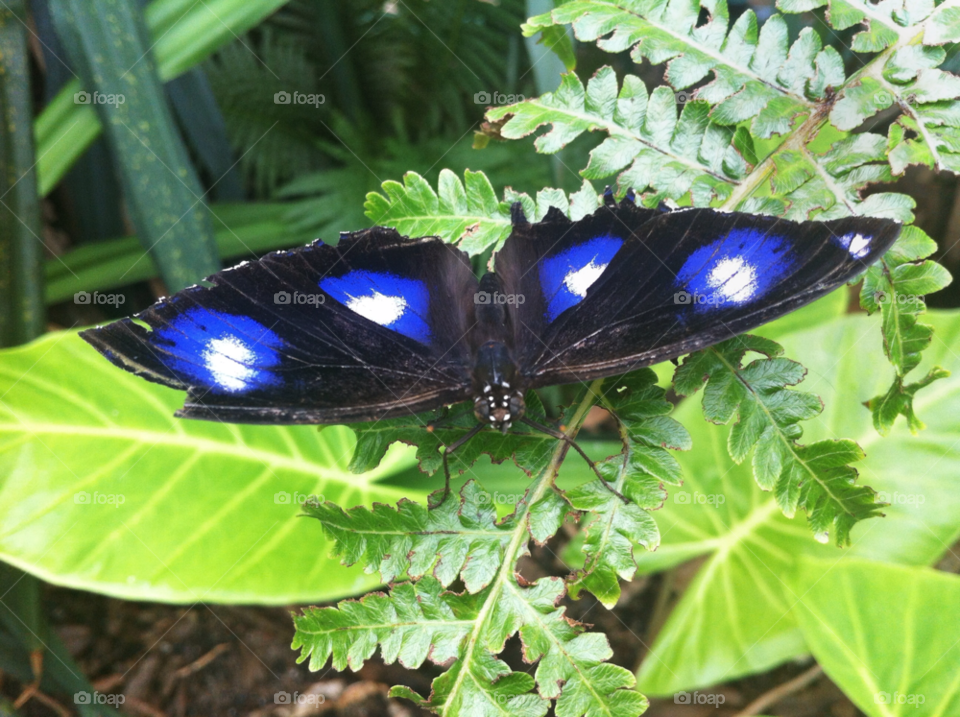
(102, 489)
(735, 617)
(887, 635)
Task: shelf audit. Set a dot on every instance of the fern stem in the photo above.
(520, 538)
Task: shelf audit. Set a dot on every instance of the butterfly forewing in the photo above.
(684, 280)
(374, 327)
(547, 268)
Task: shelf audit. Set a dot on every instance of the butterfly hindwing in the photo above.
(373, 327)
(687, 279)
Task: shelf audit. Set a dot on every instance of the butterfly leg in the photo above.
(449, 416)
(450, 449)
(560, 435)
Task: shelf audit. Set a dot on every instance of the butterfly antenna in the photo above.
(450, 449)
(560, 435)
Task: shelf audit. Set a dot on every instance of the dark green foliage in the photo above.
(163, 193)
(21, 247)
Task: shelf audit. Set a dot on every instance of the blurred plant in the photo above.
(409, 86)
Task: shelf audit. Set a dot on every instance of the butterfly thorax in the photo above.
(497, 395)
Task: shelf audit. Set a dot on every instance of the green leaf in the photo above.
(172, 224)
(415, 622)
(734, 617)
(482, 687)
(883, 24)
(469, 215)
(669, 154)
(21, 248)
(555, 38)
(181, 36)
(898, 401)
(944, 28)
(103, 489)
(856, 614)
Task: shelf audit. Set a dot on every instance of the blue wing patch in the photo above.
(565, 277)
(736, 269)
(223, 352)
(394, 302)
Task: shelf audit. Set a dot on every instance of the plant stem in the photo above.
(520, 538)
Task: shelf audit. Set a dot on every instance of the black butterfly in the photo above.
(382, 325)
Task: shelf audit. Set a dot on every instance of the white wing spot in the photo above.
(226, 359)
(857, 244)
(379, 308)
(582, 279)
(734, 279)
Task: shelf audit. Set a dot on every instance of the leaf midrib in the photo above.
(615, 130)
(390, 625)
(208, 446)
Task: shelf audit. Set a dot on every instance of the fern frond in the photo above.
(756, 74)
(896, 286)
(815, 478)
(467, 212)
(458, 538)
(572, 666)
(612, 528)
(670, 155)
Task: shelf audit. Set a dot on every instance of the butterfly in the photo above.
(381, 325)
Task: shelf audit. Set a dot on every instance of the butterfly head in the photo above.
(498, 400)
(499, 406)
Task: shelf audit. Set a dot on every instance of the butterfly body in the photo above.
(497, 390)
(381, 325)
